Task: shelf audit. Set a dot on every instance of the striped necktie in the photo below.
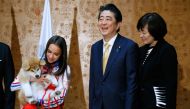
(105, 56)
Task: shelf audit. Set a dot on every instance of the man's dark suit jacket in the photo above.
(158, 75)
(116, 89)
(7, 98)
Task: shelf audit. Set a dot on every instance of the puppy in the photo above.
(31, 90)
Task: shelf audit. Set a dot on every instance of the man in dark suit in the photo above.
(7, 98)
(112, 85)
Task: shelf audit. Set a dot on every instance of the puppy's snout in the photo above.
(37, 76)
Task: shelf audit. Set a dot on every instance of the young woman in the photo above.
(55, 57)
(158, 65)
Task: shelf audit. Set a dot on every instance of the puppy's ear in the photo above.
(25, 65)
(42, 62)
(34, 61)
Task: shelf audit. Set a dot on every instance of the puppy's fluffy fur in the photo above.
(32, 91)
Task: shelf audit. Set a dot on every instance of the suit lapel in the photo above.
(154, 51)
(113, 54)
(100, 56)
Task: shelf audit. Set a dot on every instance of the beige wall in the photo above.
(20, 28)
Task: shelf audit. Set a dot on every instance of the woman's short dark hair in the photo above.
(156, 25)
(61, 43)
(112, 8)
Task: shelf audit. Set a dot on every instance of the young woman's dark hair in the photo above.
(61, 43)
(156, 25)
(112, 8)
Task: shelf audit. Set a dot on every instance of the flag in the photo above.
(46, 29)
